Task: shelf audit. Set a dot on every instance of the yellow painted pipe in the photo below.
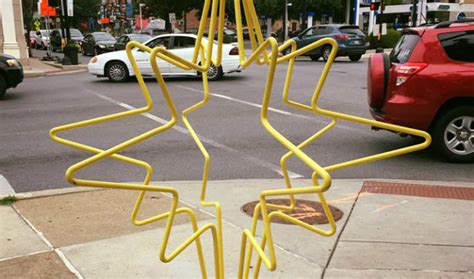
(264, 52)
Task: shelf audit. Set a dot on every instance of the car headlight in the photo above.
(93, 60)
(101, 45)
(12, 63)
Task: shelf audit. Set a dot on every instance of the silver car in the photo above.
(42, 39)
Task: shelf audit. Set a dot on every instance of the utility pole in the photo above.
(141, 19)
(382, 8)
(66, 20)
(285, 22)
(371, 19)
(414, 13)
(356, 12)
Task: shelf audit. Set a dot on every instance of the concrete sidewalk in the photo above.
(37, 67)
(389, 229)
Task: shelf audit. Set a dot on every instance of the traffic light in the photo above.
(374, 6)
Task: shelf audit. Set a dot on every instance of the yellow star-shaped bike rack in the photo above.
(265, 52)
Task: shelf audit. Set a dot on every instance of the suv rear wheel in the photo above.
(453, 135)
(355, 57)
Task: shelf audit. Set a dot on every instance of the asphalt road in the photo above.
(229, 126)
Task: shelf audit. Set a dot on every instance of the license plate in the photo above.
(356, 42)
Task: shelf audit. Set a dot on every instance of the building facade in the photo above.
(12, 37)
(428, 11)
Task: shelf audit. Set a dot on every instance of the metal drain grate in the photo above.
(419, 190)
(307, 211)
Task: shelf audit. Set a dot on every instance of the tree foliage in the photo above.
(276, 8)
(83, 10)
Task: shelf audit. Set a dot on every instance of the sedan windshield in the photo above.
(103, 37)
(76, 33)
(140, 37)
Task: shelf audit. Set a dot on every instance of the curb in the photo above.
(82, 189)
(29, 74)
(65, 67)
(53, 192)
(32, 74)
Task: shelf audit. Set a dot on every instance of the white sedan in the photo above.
(117, 67)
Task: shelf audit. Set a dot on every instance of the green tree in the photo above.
(27, 7)
(83, 10)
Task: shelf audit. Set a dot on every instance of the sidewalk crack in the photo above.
(340, 234)
(58, 252)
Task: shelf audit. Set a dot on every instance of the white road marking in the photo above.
(209, 141)
(283, 112)
(5, 187)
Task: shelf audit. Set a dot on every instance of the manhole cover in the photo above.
(309, 212)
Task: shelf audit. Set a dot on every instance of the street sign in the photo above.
(157, 24)
(70, 8)
(172, 17)
(46, 10)
(37, 25)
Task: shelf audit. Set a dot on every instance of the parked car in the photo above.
(56, 38)
(263, 28)
(97, 43)
(230, 35)
(351, 41)
(42, 39)
(427, 83)
(117, 68)
(11, 73)
(123, 40)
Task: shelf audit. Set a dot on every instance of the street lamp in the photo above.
(285, 24)
(141, 19)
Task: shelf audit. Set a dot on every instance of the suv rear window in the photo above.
(353, 30)
(403, 49)
(458, 45)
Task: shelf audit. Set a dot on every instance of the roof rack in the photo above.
(447, 24)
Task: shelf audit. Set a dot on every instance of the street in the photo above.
(229, 127)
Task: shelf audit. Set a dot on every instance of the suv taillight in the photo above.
(342, 36)
(234, 51)
(405, 71)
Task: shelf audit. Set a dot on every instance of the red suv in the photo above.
(427, 83)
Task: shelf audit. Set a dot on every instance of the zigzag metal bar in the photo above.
(202, 59)
(255, 32)
(101, 154)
